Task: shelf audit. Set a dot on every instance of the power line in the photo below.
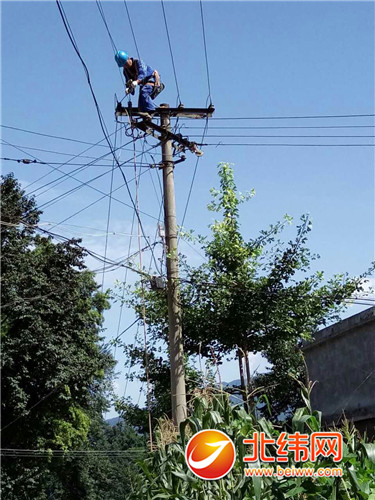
(28, 453)
(293, 117)
(46, 150)
(100, 116)
(73, 190)
(27, 161)
(171, 53)
(109, 204)
(282, 127)
(291, 145)
(131, 28)
(67, 162)
(193, 178)
(69, 139)
(54, 136)
(102, 197)
(100, 8)
(66, 175)
(290, 136)
(205, 52)
(114, 48)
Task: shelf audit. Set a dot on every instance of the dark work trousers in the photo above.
(145, 103)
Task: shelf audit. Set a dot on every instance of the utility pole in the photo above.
(178, 387)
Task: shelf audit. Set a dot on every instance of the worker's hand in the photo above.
(135, 83)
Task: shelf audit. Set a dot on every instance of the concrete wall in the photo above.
(342, 361)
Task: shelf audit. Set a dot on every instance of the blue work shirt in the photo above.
(142, 70)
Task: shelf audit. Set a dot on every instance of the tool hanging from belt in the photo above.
(130, 88)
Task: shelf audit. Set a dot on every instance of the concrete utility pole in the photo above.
(178, 388)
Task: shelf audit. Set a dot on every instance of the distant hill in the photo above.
(235, 399)
(114, 420)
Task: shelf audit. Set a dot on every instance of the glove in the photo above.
(134, 83)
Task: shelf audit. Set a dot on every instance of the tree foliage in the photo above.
(56, 371)
(250, 296)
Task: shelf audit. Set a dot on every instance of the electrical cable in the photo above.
(67, 162)
(61, 138)
(27, 161)
(101, 198)
(290, 145)
(205, 53)
(114, 48)
(100, 116)
(54, 136)
(131, 28)
(66, 175)
(193, 178)
(147, 370)
(17, 146)
(303, 117)
(100, 8)
(171, 53)
(18, 453)
(291, 136)
(109, 202)
(283, 127)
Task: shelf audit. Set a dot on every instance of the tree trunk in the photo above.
(242, 377)
(248, 385)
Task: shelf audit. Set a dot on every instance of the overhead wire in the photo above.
(49, 173)
(101, 11)
(17, 146)
(55, 136)
(28, 161)
(289, 136)
(303, 117)
(66, 175)
(242, 127)
(100, 116)
(171, 53)
(205, 52)
(193, 178)
(61, 138)
(29, 453)
(288, 145)
(104, 196)
(131, 28)
(147, 370)
(109, 202)
(114, 48)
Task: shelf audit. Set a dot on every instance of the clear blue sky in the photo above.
(265, 59)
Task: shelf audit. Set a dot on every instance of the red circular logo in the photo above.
(210, 454)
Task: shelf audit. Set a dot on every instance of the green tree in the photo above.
(255, 296)
(55, 368)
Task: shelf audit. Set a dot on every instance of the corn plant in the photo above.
(165, 474)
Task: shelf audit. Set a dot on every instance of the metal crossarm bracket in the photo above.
(179, 112)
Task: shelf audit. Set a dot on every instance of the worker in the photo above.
(136, 73)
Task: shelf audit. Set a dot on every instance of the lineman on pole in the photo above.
(136, 73)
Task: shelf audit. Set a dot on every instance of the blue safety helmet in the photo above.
(121, 57)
